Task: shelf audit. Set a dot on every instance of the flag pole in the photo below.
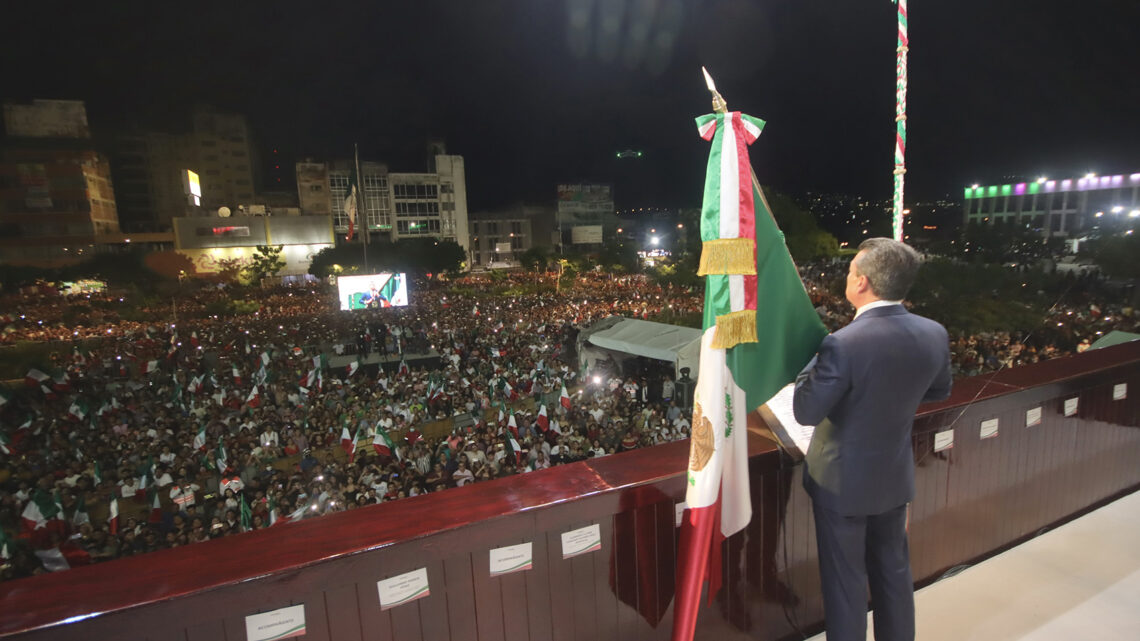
(721, 107)
(901, 48)
(360, 203)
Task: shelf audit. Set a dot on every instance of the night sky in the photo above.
(536, 92)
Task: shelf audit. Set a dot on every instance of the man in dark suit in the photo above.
(861, 391)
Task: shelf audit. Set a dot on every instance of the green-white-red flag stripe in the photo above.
(760, 329)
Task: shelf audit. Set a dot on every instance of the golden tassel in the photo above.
(728, 256)
(735, 328)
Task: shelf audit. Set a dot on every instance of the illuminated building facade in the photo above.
(1067, 207)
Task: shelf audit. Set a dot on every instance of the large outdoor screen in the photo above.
(373, 291)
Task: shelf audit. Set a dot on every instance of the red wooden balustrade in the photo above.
(978, 497)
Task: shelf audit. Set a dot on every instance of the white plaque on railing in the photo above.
(581, 541)
(513, 558)
(989, 429)
(403, 588)
(284, 623)
(1120, 391)
(943, 440)
(679, 513)
(1071, 406)
(1033, 417)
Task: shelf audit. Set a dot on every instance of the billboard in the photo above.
(584, 205)
(372, 291)
(502, 248)
(586, 234)
(192, 186)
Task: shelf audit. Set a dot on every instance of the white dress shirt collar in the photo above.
(873, 305)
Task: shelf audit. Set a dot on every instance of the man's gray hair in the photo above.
(889, 265)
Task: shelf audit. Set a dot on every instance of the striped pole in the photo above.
(900, 120)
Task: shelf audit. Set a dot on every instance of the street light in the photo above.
(653, 240)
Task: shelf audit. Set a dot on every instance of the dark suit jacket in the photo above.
(861, 391)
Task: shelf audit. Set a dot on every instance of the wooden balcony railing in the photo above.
(974, 499)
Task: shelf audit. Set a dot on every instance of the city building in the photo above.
(211, 243)
(585, 214)
(1067, 207)
(395, 205)
(56, 193)
(151, 164)
(498, 237)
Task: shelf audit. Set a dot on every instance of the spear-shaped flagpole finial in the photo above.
(718, 104)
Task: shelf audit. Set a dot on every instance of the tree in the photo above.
(266, 261)
(619, 255)
(431, 256)
(1117, 255)
(345, 259)
(534, 258)
(417, 256)
(803, 236)
(1003, 243)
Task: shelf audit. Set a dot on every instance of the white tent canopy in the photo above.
(622, 338)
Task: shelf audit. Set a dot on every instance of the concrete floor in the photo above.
(1078, 582)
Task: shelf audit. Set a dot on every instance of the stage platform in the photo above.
(1079, 581)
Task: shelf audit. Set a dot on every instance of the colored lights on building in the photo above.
(1044, 185)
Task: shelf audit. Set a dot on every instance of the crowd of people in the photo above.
(195, 423)
(183, 426)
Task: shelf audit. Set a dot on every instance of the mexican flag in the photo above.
(352, 450)
(265, 359)
(403, 366)
(346, 441)
(351, 368)
(310, 379)
(155, 506)
(236, 375)
(246, 516)
(42, 516)
(5, 443)
(35, 377)
(435, 389)
(382, 443)
(512, 425)
(543, 420)
(350, 205)
(81, 515)
(61, 383)
(223, 458)
(200, 438)
(49, 393)
(78, 410)
(564, 398)
(254, 398)
(273, 515)
(514, 449)
(113, 518)
(150, 367)
(746, 356)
